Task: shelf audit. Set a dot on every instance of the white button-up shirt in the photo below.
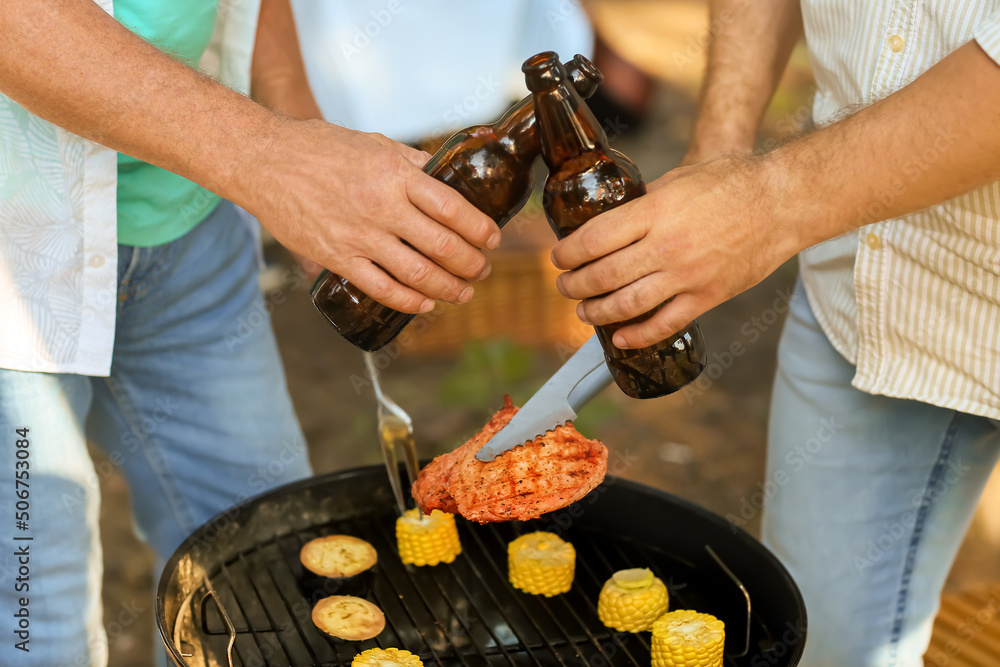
(913, 302)
(58, 223)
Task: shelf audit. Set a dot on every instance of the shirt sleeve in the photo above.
(987, 35)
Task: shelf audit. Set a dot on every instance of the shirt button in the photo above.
(896, 43)
(873, 241)
(96, 260)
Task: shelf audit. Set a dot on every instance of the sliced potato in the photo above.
(338, 556)
(347, 617)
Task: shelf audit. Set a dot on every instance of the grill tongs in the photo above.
(395, 428)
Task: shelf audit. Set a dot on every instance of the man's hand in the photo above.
(706, 233)
(700, 236)
(360, 205)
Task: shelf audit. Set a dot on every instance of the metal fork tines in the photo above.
(395, 429)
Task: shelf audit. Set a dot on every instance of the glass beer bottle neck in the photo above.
(566, 126)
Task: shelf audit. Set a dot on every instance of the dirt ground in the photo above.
(705, 444)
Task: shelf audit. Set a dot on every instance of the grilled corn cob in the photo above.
(386, 657)
(631, 600)
(686, 638)
(427, 540)
(541, 563)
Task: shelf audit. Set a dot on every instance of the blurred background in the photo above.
(417, 74)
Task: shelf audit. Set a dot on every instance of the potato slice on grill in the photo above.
(338, 556)
(346, 617)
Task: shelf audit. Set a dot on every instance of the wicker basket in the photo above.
(518, 301)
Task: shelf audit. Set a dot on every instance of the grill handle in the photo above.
(230, 628)
(746, 594)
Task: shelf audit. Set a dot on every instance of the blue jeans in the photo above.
(869, 498)
(195, 415)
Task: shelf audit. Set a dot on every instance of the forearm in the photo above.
(278, 76)
(102, 82)
(751, 41)
(937, 138)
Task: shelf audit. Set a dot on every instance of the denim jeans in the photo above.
(868, 500)
(195, 415)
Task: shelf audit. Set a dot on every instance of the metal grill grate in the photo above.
(465, 613)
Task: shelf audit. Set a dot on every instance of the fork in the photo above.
(395, 429)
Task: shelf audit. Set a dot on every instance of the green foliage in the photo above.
(488, 369)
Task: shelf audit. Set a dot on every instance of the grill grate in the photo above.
(465, 613)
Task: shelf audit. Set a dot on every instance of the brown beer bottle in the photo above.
(587, 177)
(491, 165)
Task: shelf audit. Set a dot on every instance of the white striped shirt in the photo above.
(913, 302)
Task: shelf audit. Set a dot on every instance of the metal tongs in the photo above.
(395, 428)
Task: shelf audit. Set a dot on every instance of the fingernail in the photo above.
(619, 341)
(494, 241)
(559, 286)
(427, 306)
(552, 258)
(486, 272)
(582, 315)
(466, 295)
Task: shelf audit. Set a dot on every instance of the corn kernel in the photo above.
(427, 540)
(541, 563)
(685, 638)
(631, 600)
(386, 657)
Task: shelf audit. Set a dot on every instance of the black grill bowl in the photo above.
(466, 613)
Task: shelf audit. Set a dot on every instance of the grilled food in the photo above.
(427, 540)
(346, 617)
(431, 488)
(686, 638)
(551, 472)
(631, 600)
(338, 556)
(541, 563)
(386, 657)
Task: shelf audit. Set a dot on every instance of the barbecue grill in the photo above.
(235, 592)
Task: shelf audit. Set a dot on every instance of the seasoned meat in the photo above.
(431, 488)
(547, 474)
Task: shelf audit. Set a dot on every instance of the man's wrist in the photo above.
(249, 174)
(785, 198)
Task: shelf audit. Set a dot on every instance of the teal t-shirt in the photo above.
(156, 206)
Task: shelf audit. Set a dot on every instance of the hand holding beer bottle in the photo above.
(491, 166)
(587, 177)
